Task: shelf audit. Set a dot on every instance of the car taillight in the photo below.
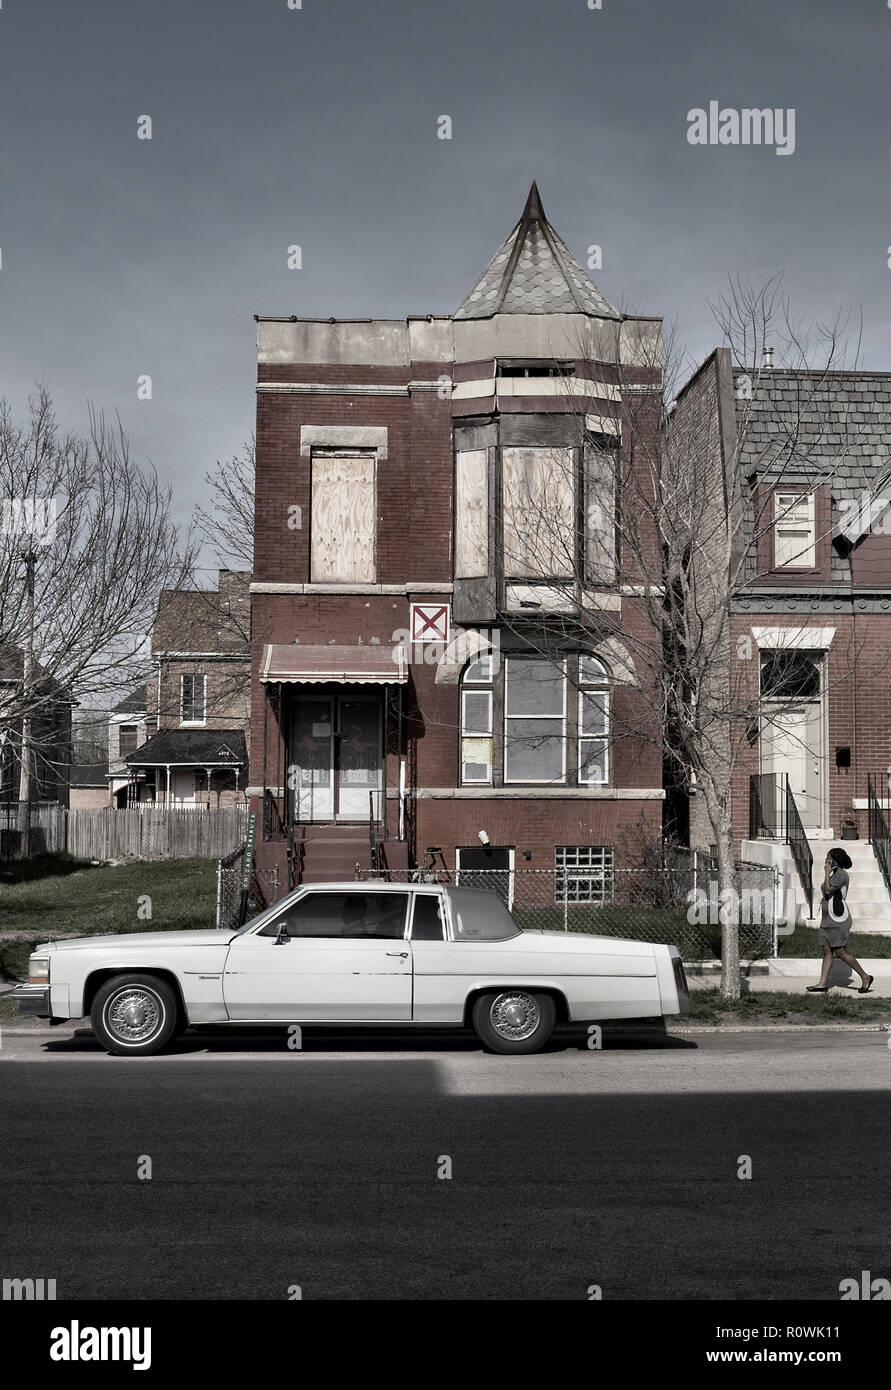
(680, 978)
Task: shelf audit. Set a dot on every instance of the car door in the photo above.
(438, 996)
(332, 956)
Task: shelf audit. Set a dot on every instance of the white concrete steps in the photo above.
(868, 897)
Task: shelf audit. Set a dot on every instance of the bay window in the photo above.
(537, 721)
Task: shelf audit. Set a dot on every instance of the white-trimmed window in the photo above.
(553, 712)
(476, 731)
(192, 699)
(534, 720)
(795, 531)
(593, 726)
(583, 873)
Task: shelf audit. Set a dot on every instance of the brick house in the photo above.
(811, 622)
(417, 683)
(194, 710)
(128, 729)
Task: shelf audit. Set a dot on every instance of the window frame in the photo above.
(192, 676)
(477, 735)
(269, 929)
(368, 455)
(785, 503)
(606, 869)
(564, 761)
(130, 728)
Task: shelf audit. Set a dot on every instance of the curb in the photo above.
(781, 1028)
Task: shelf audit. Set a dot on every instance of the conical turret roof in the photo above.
(534, 272)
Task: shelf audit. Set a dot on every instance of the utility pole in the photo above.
(26, 781)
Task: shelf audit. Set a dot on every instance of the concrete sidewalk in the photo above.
(792, 975)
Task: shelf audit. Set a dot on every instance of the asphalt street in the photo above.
(325, 1167)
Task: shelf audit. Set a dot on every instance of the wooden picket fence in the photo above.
(149, 832)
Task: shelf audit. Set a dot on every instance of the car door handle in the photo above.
(403, 955)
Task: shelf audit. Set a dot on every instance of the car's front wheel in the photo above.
(134, 1015)
(514, 1020)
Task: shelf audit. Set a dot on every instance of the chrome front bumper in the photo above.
(32, 999)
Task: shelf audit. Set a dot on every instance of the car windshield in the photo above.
(478, 914)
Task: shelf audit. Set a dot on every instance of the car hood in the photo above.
(210, 936)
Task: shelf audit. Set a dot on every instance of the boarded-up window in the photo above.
(538, 508)
(343, 519)
(471, 514)
(600, 516)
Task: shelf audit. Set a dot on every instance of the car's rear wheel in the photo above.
(134, 1015)
(514, 1020)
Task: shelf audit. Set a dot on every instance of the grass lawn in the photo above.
(664, 926)
(88, 901)
(775, 1006)
(804, 941)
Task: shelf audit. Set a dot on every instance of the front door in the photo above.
(792, 745)
(344, 958)
(792, 728)
(336, 758)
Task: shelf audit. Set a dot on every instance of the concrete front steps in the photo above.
(867, 895)
(325, 854)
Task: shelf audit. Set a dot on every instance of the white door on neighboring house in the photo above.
(792, 730)
(182, 786)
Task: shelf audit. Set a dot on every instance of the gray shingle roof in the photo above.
(829, 427)
(534, 272)
(191, 746)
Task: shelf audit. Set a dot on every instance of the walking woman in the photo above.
(835, 922)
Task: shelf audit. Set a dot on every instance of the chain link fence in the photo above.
(265, 886)
(678, 905)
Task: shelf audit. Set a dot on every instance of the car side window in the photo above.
(350, 915)
(427, 923)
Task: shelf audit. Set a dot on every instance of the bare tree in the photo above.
(227, 524)
(87, 544)
(671, 520)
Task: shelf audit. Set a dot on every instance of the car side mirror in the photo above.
(281, 936)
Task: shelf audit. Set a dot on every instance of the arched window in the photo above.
(593, 723)
(551, 715)
(477, 697)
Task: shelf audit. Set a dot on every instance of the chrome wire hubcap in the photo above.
(134, 1015)
(514, 1016)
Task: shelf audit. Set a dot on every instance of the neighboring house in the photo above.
(127, 731)
(813, 617)
(88, 786)
(197, 704)
(396, 693)
(50, 731)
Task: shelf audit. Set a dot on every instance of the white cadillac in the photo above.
(361, 953)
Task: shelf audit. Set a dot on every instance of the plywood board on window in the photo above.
(538, 508)
(471, 514)
(343, 520)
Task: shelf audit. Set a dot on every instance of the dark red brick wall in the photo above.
(858, 701)
(414, 494)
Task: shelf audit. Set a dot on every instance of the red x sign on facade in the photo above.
(430, 622)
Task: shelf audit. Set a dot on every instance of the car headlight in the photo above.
(38, 970)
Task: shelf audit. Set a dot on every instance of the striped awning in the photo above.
(341, 665)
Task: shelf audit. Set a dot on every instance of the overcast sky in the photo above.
(318, 127)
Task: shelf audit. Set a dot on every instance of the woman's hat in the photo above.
(841, 858)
